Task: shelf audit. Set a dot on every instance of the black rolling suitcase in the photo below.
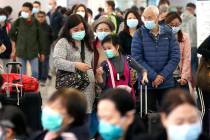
(29, 103)
(151, 119)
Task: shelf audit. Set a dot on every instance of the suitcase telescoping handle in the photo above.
(16, 85)
(141, 99)
(13, 63)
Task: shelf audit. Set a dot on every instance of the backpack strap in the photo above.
(111, 73)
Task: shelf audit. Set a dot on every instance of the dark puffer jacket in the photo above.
(159, 55)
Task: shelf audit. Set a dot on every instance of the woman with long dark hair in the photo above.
(81, 10)
(131, 24)
(74, 52)
(182, 74)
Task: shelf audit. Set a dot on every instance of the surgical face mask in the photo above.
(81, 14)
(50, 7)
(3, 18)
(51, 120)
(132, 23)
(185, 132)
(35, 10)
(102, 35)
(110, 131)
(78, 35)
(24, 15)
(176, 29)
(150, 24)
(109, 53)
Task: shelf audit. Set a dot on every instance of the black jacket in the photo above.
(4, 38)
(204, 48)
(125, 42)
(56, 22)
(162, 136)
(81, 132)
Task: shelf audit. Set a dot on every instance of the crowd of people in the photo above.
(100, 64)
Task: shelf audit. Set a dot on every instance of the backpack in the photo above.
(203, 74)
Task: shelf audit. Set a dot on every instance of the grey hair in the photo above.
(154, 9)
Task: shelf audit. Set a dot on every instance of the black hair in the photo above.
(15, 116)
(28, 5)
(90, 11)
(136, 14)
(191, 5)
(175, 98)
(37, 2)
(3, 12)
(163, 2)
(111, 3)
(169, 18)
(121, 98)
(135, 8)
(63, 10)
(100, 9)
(114, 39)
(75, 103)
(77, 7)
(42, 13)
(72, 21)
(8, 10)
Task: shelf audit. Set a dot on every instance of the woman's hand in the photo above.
(182, 82)
(82, 66)
(145, 78)
(99, 73)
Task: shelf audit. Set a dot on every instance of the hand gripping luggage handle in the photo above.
(141, 100)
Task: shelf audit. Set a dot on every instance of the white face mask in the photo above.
(24, 15)
(50, 7)
(185, 132)
(3, 18)
(81, 14)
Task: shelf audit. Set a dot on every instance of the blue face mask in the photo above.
(24, 15)
(176, 29)
(109, 53)
(110, 131)
(78, 35)
(185, 132)
(35, 10)
(102, 35)
(150, 24)
(132, 23)
(3, 18)
(51, 120)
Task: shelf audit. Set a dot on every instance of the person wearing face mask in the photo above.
(131, 24)
(56, 18)
(64, 117)
(163, 7)
(81, 10)
(189, 25)
(26, 37)
(102, 27)
(180, 117)
(36, 7)
(115, 71)
(156, 48)
(4, 39)
(182, 74)
(73, 52)
(117, 119)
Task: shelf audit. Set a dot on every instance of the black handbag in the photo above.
(78, 79)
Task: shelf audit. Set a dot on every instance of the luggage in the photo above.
(29, 102)
(151, 120)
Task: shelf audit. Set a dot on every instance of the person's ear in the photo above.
(9, 134)
(163, 118)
